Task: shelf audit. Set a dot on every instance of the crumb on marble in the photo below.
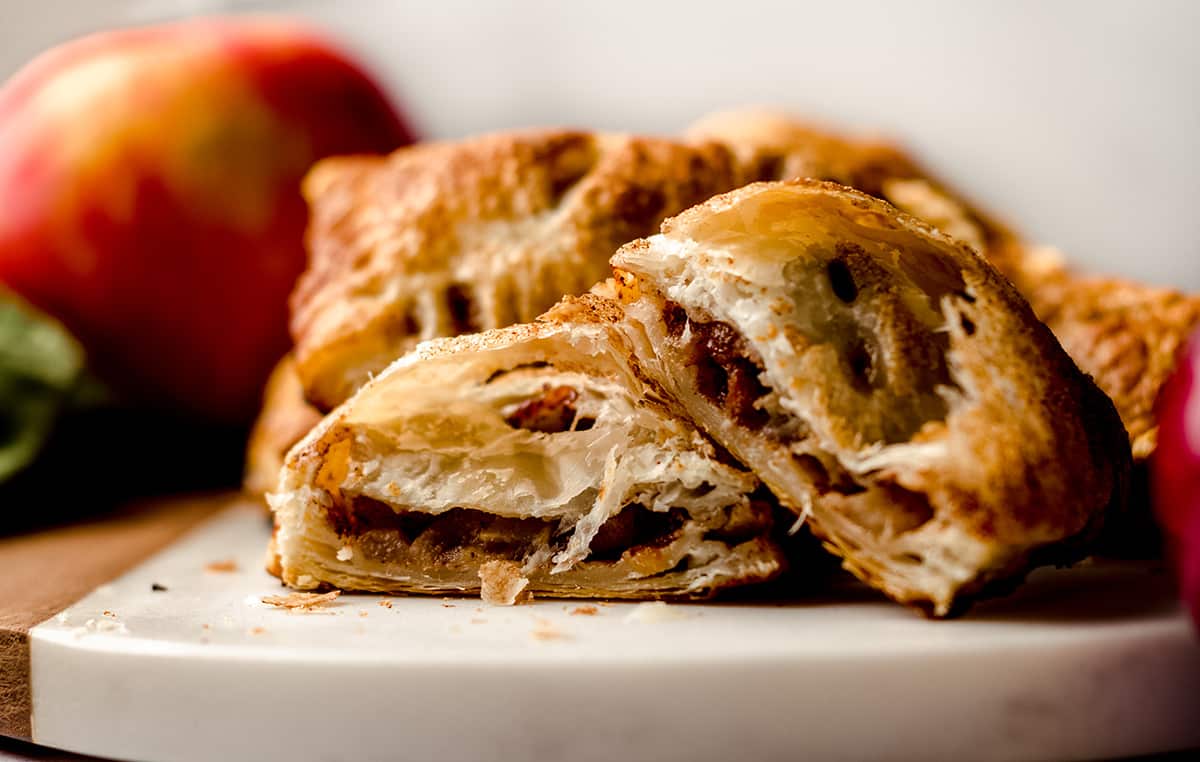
(301, 601)
(544, 629)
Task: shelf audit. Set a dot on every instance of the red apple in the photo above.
(149, 188)
(1176, 471)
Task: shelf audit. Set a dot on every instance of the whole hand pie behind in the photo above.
(882, 380)
(530, 458)
(448, 238)
(771, 145)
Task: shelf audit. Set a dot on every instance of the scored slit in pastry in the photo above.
(882, 380)
(524, 458)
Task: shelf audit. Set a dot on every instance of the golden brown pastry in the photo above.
(283, 421)
(772, 145)
(522, 459)
(1125, 334)
(448, 238)
(883, 380)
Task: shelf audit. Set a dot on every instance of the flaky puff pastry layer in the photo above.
(883, 380)
(525, 459)
(448, 238)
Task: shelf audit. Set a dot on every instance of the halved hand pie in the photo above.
(882, 380)
(525, 458)
(1124, 334)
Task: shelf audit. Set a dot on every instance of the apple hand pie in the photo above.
(523, 459)
(882, 380)
(449, 238)
(1126, 335)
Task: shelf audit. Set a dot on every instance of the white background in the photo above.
(1077, 121)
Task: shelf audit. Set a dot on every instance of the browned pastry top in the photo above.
(1124, 334)
(776, 146)
(447, 238)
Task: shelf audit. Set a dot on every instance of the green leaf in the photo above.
(41, 365)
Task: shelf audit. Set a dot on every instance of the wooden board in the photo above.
(42, 573)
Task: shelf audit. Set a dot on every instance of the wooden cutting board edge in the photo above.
(45, 572)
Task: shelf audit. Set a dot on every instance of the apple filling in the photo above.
(567, 476)
(463, 538)
(728, 373)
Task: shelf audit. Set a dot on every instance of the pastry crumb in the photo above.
(502, 582)
(362, 612)
(301, 601)
(447, 605)
(257, 630)
(101, 625)
(584, 611)
(157, 588)
(224, 566)
(653, 612)
(109, 614)
(385, 604)
(544, 629)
